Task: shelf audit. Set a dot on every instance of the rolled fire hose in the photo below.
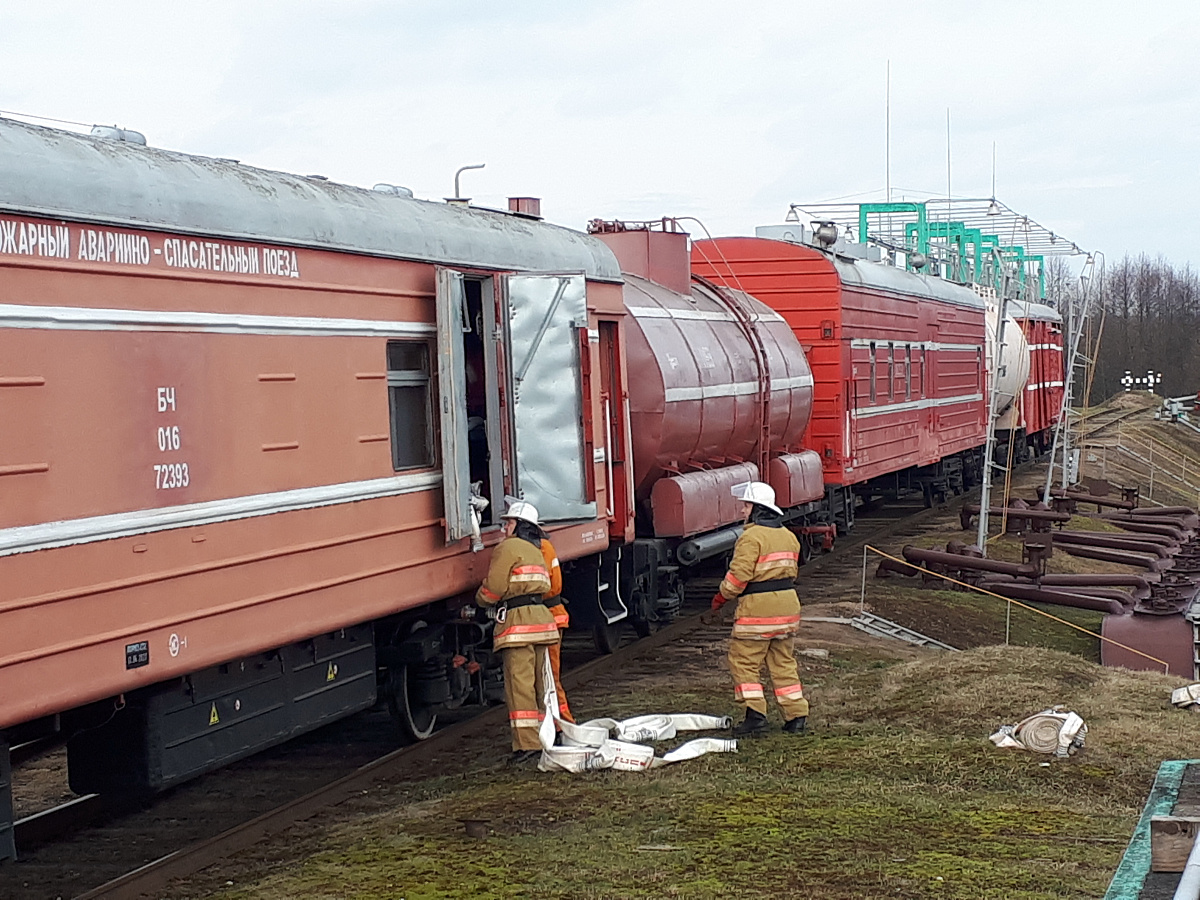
(1052, 731)
(612, 744)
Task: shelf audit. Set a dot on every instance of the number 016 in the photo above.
(168, 438)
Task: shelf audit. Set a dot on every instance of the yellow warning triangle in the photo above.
(213, 718)
(332, 673)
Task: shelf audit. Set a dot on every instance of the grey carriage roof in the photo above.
(891, 278)
(1020, 309)
(60, 174)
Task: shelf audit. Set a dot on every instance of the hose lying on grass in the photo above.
(612, 744)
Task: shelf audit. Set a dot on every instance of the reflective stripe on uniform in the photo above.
(495, 598)
(749, 690)
(781, 556)
(524, 718)
(734, 580)
(769, 620)
(766, 627)
(529, 573)
(518, 635)
(790, 690)
(536, 628)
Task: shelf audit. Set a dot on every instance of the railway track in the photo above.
(819, 581)
(1089, 427)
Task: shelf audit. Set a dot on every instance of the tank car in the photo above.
(1044, 393)
(719, 392)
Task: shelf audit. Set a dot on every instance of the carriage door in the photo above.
(547, 328)
(452, 388)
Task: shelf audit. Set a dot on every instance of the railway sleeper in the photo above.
(171, 732)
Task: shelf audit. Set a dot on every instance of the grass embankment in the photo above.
(897, 793)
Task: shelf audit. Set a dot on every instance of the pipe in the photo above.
(1043, 515)
(1040, 595)
(1162, 540)
(1167, 511)
(1115, 543)
(1124, 557)
(1109, 579)
(968, 563)
(1080, 497)
(1173, 521)
(1144, 528)
(691, 551)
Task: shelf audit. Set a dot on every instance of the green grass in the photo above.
(897, 793)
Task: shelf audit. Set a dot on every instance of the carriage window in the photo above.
(872, 373)
(908, 371)
(921, 371)
(891, 371)
(409, 389)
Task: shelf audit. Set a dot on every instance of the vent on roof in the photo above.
(113, 133)
(393, 189)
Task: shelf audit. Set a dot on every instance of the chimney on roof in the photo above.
(530, 207)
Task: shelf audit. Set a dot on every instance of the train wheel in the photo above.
(416, 722)
(806, 549)
(608, 636)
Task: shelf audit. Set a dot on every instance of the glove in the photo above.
(718, 601)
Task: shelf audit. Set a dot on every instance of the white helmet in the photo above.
(756, 492)
(523, 510)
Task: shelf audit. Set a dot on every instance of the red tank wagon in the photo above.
(1043, 399)
(719, 393)
(244, 412)
(898, 359)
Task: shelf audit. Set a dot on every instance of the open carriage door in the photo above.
(547, 314)
(452, 387)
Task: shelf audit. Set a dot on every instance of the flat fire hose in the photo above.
(612, 744)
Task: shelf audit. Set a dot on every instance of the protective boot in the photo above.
(754, 723)
(520, 757)
(796, 725)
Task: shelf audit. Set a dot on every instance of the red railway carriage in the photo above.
(898, 360)
(246, 415)
(1044, 394)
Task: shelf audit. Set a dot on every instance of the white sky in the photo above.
(726, 111)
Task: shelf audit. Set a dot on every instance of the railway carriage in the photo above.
(249, 420)
(899, 359)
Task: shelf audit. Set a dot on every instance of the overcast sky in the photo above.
(726, 111)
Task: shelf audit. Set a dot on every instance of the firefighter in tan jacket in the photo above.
(761, 578)
(516, 582)
(558, 609)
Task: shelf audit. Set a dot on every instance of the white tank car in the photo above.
(1014, 367)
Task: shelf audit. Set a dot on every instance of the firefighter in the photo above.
(558, 609)
(761, 578)
(516, 582)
